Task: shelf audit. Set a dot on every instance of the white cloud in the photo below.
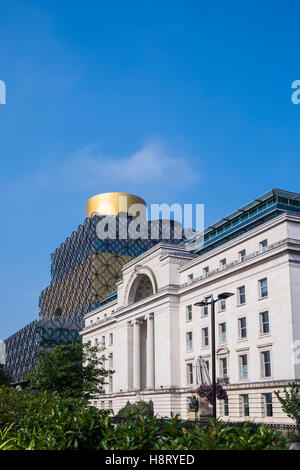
(153, 172)
(151, 166)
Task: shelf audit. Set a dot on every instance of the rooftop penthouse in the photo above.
(256, 212)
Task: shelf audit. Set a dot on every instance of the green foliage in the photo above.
(58, 312)
(135, 409)
(149, 434)
(47, 421)
(5, 378)
(72, 370)
(41, 421)
(6, 442)
(290, 403)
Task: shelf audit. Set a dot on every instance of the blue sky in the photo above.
(174, 101)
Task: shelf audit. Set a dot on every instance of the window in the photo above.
(110, 384)
(263, 245)
(264, 323)
(243, 359)
(110, 361)
(242, 255)
(242, 328)
(222, 305)
(189, 340)
(245, 405)
(205, 271)
(102, 405)
(190, 377)
(190, 278)
(223, 263)
(241, 295)
(223, 367)
(111, 340)
(263, 288)
(222, 332)
(188, 313)
(96, 342)
(103, 341)
(225, 407)
(204, 337)
(110, 404)
(266, 363)
(204, 310)
(268, 405)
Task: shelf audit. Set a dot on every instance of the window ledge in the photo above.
(264, 335)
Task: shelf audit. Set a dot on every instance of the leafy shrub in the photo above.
(149, 434)
(135, 409)
(44, 421)
(6, 441)
(47, 421)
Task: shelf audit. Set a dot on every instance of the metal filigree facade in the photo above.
(84, 271)
(23, 347)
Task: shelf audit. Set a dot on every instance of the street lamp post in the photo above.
(212, 302)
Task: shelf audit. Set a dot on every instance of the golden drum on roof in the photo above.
(112, 203)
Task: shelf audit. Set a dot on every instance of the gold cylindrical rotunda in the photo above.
(112, 203)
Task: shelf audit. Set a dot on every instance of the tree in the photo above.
(5, 378)
(290, 403)
(133, 410)
(58, 312)
(72, 370)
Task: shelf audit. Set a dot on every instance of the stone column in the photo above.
(150, 351)
(136, 355)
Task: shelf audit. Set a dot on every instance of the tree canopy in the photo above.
(5, 377)
(290, 402)
(72, 370)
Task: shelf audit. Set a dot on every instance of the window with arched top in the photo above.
(140, 289)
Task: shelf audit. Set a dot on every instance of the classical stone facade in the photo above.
(156, 338)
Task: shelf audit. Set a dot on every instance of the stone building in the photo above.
(156, 338)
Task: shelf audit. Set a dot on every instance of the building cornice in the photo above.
(240, 239)
(165, 247)
(101, 309)
(274, 250)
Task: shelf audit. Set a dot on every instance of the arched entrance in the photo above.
(141, 289)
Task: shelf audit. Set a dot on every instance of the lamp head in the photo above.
(225, 295)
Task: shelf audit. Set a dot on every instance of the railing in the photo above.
(202, 421)
(97, 322)
(252, 255)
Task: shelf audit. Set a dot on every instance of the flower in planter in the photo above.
(206, 391)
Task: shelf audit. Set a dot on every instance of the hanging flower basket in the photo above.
(206, 391)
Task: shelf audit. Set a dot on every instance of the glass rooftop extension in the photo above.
(109, 298)
(254, 213)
